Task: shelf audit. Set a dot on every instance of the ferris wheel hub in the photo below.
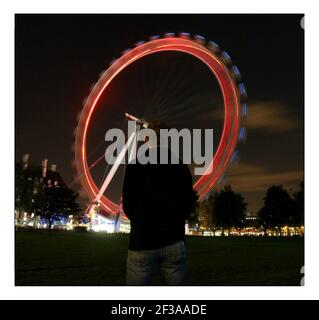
(142, 122)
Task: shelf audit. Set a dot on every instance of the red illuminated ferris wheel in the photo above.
(235, 108)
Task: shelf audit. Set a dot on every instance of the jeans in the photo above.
(171, 261)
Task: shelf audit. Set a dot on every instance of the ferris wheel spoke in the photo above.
(115, 166)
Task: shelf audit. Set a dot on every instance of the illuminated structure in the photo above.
(232, 88)
(36, 175)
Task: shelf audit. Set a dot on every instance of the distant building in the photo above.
(251, 220)
(36, 175)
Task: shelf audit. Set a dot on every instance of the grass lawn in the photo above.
(67, 258)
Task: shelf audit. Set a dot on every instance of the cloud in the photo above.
(268, 116)
(271, 116)
(250, 178)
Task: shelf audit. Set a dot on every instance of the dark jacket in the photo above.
(157, 198)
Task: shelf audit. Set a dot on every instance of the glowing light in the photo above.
(126, 51)
(225, 57)
(185, 35)
(234, 156)
(236, 72)
(103, 228)
(213, 46)
(155, 37)
(242, 89)
(139, 43)
(242, 133)
(245, 110)
(102, 224)
(200, 39)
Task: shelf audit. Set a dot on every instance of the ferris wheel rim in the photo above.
(232, 91)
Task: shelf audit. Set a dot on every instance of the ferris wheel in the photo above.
(235, 110)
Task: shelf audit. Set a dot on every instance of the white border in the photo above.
(8, 291)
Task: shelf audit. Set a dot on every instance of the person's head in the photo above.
(157, 125)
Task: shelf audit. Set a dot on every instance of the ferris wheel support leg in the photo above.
(115, 166)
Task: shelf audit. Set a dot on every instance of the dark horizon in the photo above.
(58, 57)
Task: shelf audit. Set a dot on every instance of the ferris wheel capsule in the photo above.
(125, 51)
(226, 58)
(234, 157)
(155, 37)
(242, 134)
(169, 35)
(242, 90)
(244, 110)
(236, 72)
(185, 35)
(139, 43)
(200, 39)
(212, 46)
(222, 178)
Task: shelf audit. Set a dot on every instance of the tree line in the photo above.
(223, 210)
(227, 209)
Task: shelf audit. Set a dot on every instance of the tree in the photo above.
(299, 199)
(194, 215)
(205, 215)
(278, 209)
(55, 202)
(229, 208)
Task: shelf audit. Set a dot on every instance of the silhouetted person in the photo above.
(157, 198)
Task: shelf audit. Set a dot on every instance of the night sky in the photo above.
(59, 57)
